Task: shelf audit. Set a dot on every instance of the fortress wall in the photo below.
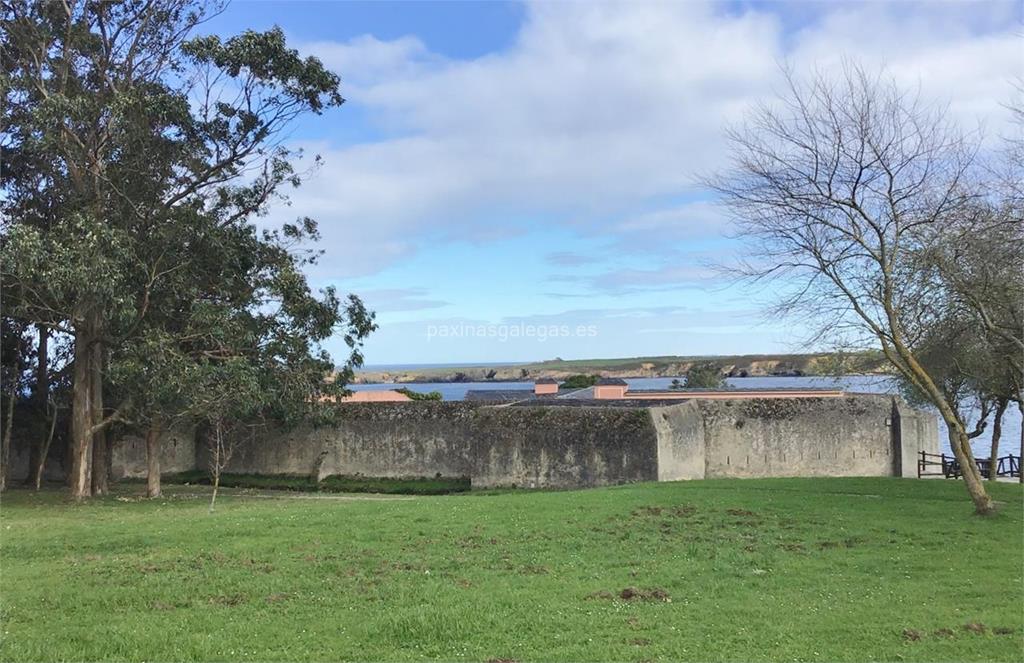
(918, 431)
(681, 444)
(564, 447)
(177, 454)
(399, 439)
(850, 436)
(494, 446)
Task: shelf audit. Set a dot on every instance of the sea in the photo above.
(875, 384)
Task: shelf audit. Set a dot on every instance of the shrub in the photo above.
(705, 375)
(580, 381)
(420, 396)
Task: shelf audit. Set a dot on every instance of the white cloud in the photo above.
(599, 110)
(577, 333)
(399, 299)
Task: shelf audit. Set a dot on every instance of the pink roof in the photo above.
(375, 396)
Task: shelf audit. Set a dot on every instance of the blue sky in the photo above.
(514, 182)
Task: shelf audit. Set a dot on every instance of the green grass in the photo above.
(786, 569)
(329, 484)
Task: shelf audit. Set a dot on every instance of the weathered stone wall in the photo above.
(494, 446)
(405, 439)
(177, 454)
(554, 446)
(681, 448)
(850, 436)
(562, 447)
(917, 431)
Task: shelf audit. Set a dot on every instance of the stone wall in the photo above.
(848, 436)
(681, 448)
(562, 447)
(177, 454)
(917, 431)
(555, 446)
(407, 439)
(495, 446)
(857, 435)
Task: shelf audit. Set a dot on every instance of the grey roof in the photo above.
(545, 381)
(725, 390)
(599, 402)
(500, 395)
(585, 394)
(613, 381)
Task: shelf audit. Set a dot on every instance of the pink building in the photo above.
(545, 387)
(610, 388)
(375, 396)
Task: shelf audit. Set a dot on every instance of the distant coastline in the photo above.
(819, 364)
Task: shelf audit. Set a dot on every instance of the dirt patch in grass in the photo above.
(976, 627)
(680, 511)
(911, 634)
(1004, 630)
(603, 595)
(227, 599)
(277, 598)
(639, 642)
(633, 594)
(262, 567)
(944, 633)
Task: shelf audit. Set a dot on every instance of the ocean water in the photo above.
(1009, 442)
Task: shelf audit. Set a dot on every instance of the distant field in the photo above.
(808, 569)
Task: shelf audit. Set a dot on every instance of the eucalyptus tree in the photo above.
(239, 340)
(14, 350)
(136, 127)
(838, 187)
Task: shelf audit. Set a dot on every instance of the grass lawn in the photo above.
(786, 569)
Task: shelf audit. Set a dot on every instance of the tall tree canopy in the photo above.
(137, 155)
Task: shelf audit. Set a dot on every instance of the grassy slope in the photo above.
(830, 569)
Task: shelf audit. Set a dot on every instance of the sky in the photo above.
(519, 181)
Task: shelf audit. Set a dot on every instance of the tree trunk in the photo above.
(5, 444)
(1020, 458)
(215, 467)
(216, 486)
(153, 460)
(958, 440)
(42, 399)
(997, 432)
(961, 446)
(80, 475)
(37, 469)
(100, 445)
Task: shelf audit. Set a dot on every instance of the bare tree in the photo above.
(979, 261)
(222, 441)
(839, 188)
